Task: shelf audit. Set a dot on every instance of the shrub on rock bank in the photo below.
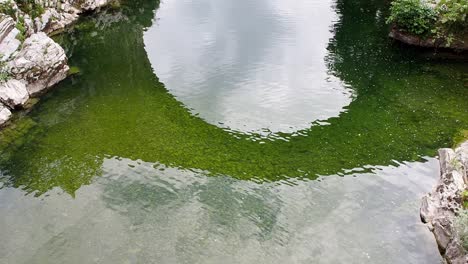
(413, 16)
(437, 19)
(461, 227)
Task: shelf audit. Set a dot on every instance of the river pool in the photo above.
(231, 132)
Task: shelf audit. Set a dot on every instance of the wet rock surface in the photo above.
(440, 207)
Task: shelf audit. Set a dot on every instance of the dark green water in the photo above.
(202, 131)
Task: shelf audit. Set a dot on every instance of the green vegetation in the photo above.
(30, 7)
(74, 70)
(446, 19)
(21, 28)
(118, 108)
(460, 137)
(4, 76)
(115, 4)
(461, 221)
(464, 197)
(461, 227)
(452, 20)
(453, 14)
(412, 16)
(7, 9)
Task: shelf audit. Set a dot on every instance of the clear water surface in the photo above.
(231, 131)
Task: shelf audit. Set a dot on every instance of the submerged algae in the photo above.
(404, 108)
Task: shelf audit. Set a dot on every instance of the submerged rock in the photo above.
(41, 63)
(13, 93)
(5, 114)
(439, 207)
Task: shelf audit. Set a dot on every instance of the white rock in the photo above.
(53, 20)
(41, 63)
(8, 32)
(13, 93)
(93, 4)
(439, 207)
(5, 114)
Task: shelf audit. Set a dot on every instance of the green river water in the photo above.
(231, 131)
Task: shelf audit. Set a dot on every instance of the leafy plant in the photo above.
(464, 196)
(4, 76)
(461, 227)
(20, 25)
(413, 16)
(453, 20)
(453, 13)
(7, 9)
(30, 7)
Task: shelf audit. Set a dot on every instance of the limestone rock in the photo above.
(439, 207)
(93, 4)
(5, 114)
(8, 32)
(13, 93)
(443, 232)
(41, 63)
(52, 20)
(455, 253)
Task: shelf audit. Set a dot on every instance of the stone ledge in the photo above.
(427, 42)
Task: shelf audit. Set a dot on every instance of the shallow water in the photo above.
(209, 131)
(147, 214)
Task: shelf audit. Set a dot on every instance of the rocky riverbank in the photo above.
(30, 61)
(441, 207)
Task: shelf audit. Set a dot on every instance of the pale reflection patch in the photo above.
(251, 66)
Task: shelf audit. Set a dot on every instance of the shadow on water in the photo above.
(404, 108)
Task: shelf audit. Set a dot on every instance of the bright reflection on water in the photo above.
(144, 213)
(250, 66)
